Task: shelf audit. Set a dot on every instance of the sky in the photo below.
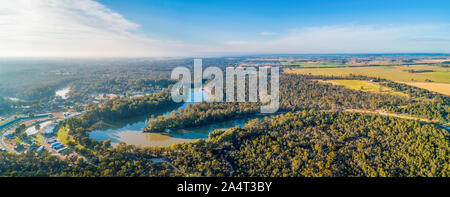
(182, 28)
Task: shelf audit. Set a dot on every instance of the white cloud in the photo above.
(268, 33)
(353, 39)
(72, 28)
(88, 28)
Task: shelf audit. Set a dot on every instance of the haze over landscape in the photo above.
(89, 28)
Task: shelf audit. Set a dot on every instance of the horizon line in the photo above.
(217, 56)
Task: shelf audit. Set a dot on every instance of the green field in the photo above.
(394, 73)
(366, 86)
(63, 135)
(438, 80)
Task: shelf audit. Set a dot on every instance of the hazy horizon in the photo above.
(104, 28)
(216, 56)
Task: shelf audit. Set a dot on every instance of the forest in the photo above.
(311, 143)
(301, 144)
(303, 92)
(8, 106)
(5, 106)
(86, 77)
(310, 135)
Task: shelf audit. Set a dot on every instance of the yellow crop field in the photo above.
(443, 88)
(436, 79)
(394, 73)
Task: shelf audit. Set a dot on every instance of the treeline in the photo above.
(201, 114)
(122, 84)
(303, 92)
(117, 85)
(123, 161)
(429, 110)
(419, 71)
(31, 165)
(300, 92)
(415, 92)
(420, 103)
(6, 106)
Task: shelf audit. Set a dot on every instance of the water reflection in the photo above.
(130, 131)
(63, 93)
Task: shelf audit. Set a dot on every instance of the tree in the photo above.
(37, 127)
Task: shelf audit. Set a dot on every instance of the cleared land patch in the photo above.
(365, 86)
(432, 81)
(394, 73)
(443, 88)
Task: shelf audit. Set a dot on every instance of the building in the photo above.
(51, 140)
(15, 120)
(61, 150)
(58, 146)
(41, 148)
(8, 135)
(55, 144)
(68, 115)
(50, 130)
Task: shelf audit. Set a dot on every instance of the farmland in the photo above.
(365, 86)
(438, 79)
(314, 64)
(443, 88)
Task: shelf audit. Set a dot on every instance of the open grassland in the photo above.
(64, 136)
(365, 86)
(433, 81)
(394, 73)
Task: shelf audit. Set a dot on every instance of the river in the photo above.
(130, 131)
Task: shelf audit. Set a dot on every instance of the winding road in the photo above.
(4, 146)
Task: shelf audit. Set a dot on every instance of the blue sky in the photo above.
(209, 20)
(221, 27)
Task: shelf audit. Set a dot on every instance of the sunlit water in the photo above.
(63, 93)
(130, 131)
(14, 99)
